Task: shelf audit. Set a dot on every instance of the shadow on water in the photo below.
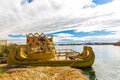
(89, 72)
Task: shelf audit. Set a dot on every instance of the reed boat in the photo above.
(40, 51)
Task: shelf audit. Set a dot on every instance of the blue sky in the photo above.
(67, 20)
(101, 1)
(64, 38)
(83, 34)
(96, 1)
(71, 36)
(16, 35)
(26, 1)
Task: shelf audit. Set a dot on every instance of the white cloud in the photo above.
(55, 15)
(61, 36)
(105, 38)
(64, 35)
(72, 39)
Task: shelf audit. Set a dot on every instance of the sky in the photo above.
(68, 20)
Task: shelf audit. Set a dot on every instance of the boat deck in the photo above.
(65, 54)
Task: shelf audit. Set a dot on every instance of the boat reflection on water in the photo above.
(89, 72)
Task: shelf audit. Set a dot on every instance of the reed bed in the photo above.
(43, 73)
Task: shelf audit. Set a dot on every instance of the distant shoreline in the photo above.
(87, 44)
(117, 44)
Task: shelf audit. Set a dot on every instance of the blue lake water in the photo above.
(107, 61)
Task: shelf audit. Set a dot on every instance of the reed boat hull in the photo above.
(81, 61)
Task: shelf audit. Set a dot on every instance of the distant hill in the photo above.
(117, 43)
(97, 43)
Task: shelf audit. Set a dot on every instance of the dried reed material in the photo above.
(43, 73)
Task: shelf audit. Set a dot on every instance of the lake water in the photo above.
(107, 62)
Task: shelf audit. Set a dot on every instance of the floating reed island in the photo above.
(43, 73)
